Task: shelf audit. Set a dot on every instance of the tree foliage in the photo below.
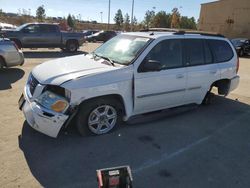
(175, 19)
(135, 22)
(188, 23)
(119, 19)
(162, 20)
(148, 19)
(40, 13)
(168, 20)
(126, 22)
(71, 21)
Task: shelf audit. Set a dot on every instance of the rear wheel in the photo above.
(208, 98)
(98, 117)
(1, 63)
(72, 46)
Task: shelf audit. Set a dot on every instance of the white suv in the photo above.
(133, 73)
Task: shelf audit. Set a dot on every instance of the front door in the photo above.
(51, 35)
(31, 36)
(163, 88)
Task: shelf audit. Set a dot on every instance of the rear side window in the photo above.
(195, 52)
(48, 28)
(221, 50)
(208, 54)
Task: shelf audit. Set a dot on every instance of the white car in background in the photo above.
(133, 73)
(10, 55)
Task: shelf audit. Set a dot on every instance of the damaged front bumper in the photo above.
(42, 119)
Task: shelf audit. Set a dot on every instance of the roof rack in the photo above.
(182, 32)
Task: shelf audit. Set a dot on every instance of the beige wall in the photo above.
(228, 17)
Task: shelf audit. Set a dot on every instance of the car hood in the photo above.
(58, 71)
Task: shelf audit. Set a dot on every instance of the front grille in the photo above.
(32, 84)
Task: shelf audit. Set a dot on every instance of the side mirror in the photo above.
(152, 65)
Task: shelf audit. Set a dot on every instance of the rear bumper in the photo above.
(41, 119)
(234, 83)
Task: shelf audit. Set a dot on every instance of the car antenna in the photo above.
(151, 34)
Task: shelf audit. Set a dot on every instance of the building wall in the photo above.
(228, 17)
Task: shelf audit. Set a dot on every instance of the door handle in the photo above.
(179, 76)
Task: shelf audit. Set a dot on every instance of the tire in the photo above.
(63, 49)
(2, 63)
(208, 98)
(72, 46)
(98, 117)
(241, 53)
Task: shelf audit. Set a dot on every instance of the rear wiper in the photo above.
(103, 57)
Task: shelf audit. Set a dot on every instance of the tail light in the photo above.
(238, 65)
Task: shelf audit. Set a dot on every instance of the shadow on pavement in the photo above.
(50, 54)
(71, 160)
(9, 76)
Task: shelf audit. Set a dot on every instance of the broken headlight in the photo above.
(53, 101)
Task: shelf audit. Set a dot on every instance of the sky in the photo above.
(91, 9)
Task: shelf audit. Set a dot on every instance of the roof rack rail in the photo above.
(159, 30)
(182, 32)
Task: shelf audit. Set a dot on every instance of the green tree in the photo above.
(70, 21)
(149, 16)
(188, 23)
(175, 20)
(118, 19)
(126, 22)
(40, 13)
(162, 20)
(1, 13)
(135, 22)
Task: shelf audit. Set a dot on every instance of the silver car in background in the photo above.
(10, 55)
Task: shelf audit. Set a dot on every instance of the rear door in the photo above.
(155, 90)
(51, 36)
(201, 69)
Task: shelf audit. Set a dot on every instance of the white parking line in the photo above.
(166, 156)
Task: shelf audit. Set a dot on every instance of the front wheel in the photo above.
(241, 53)
(98, 117)
(1, 63)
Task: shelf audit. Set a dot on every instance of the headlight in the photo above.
(53, 101)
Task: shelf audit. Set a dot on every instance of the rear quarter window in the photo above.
(221, 50)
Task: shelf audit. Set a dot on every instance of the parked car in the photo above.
(242, 46)
(131, 74)
(89, 32)
(101, 36)
(44, 35)
(10, 55)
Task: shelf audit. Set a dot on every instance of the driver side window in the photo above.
(31, 29)
(167, 53)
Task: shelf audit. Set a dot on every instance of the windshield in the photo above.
(122, 49)
(21, 27)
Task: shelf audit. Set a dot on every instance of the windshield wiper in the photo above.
(103, 57)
